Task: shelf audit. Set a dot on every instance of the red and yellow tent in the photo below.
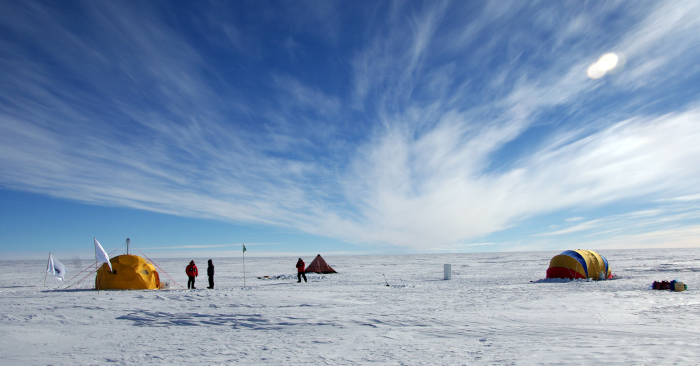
(579, 264)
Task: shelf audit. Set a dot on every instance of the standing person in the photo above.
(192, 272)
(301, 267)
(210, 273)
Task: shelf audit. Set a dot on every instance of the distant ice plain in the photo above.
(488, 314)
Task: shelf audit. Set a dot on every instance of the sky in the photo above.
(363, 127)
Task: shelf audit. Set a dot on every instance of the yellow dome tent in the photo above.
(131, 272)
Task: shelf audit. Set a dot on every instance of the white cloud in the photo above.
(414, 204)
(420, 176)
(692, 197)
(208, 246)
(580, 227)
(661, 45)
(684, 237)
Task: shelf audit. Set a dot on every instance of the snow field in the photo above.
(489, 313)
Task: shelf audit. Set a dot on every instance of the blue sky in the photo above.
(348, 127)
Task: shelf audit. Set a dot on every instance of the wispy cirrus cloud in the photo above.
(580, 227)
(422, 137)
(677, 237)
(208, 246)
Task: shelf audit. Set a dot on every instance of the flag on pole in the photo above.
(56, 268)
(244, 249)
(101, 256)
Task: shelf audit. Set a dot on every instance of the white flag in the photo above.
(56, 268)
(101, 255)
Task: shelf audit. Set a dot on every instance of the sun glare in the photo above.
(608, 61)
(604, 64)
(595, 72)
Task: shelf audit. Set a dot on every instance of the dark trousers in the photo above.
(211, 281)
(300, 275)
(190, 282)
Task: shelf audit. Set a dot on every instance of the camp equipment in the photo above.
(579, 263)
(319, 265)
(676, 285)
(100, 254)
(666, 285)
(56, 268)
(130, 272)
(447, 269)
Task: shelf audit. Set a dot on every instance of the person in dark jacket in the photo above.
(301, 268)
(210, 273)
(192, 272)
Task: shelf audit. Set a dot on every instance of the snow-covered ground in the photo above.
(489, 313)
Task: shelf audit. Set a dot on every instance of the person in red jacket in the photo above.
(301, 268)
(191, 271)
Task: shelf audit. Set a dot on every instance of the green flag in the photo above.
(244, 249)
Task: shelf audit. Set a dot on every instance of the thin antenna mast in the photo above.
(48, 261)
(127, 245)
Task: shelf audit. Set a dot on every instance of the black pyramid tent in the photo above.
(319, 265)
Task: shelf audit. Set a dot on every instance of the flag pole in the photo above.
(98, 275)
(47, 268)
(243, 265)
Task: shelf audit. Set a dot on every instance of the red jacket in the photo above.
(301, 267)
(191, 270)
